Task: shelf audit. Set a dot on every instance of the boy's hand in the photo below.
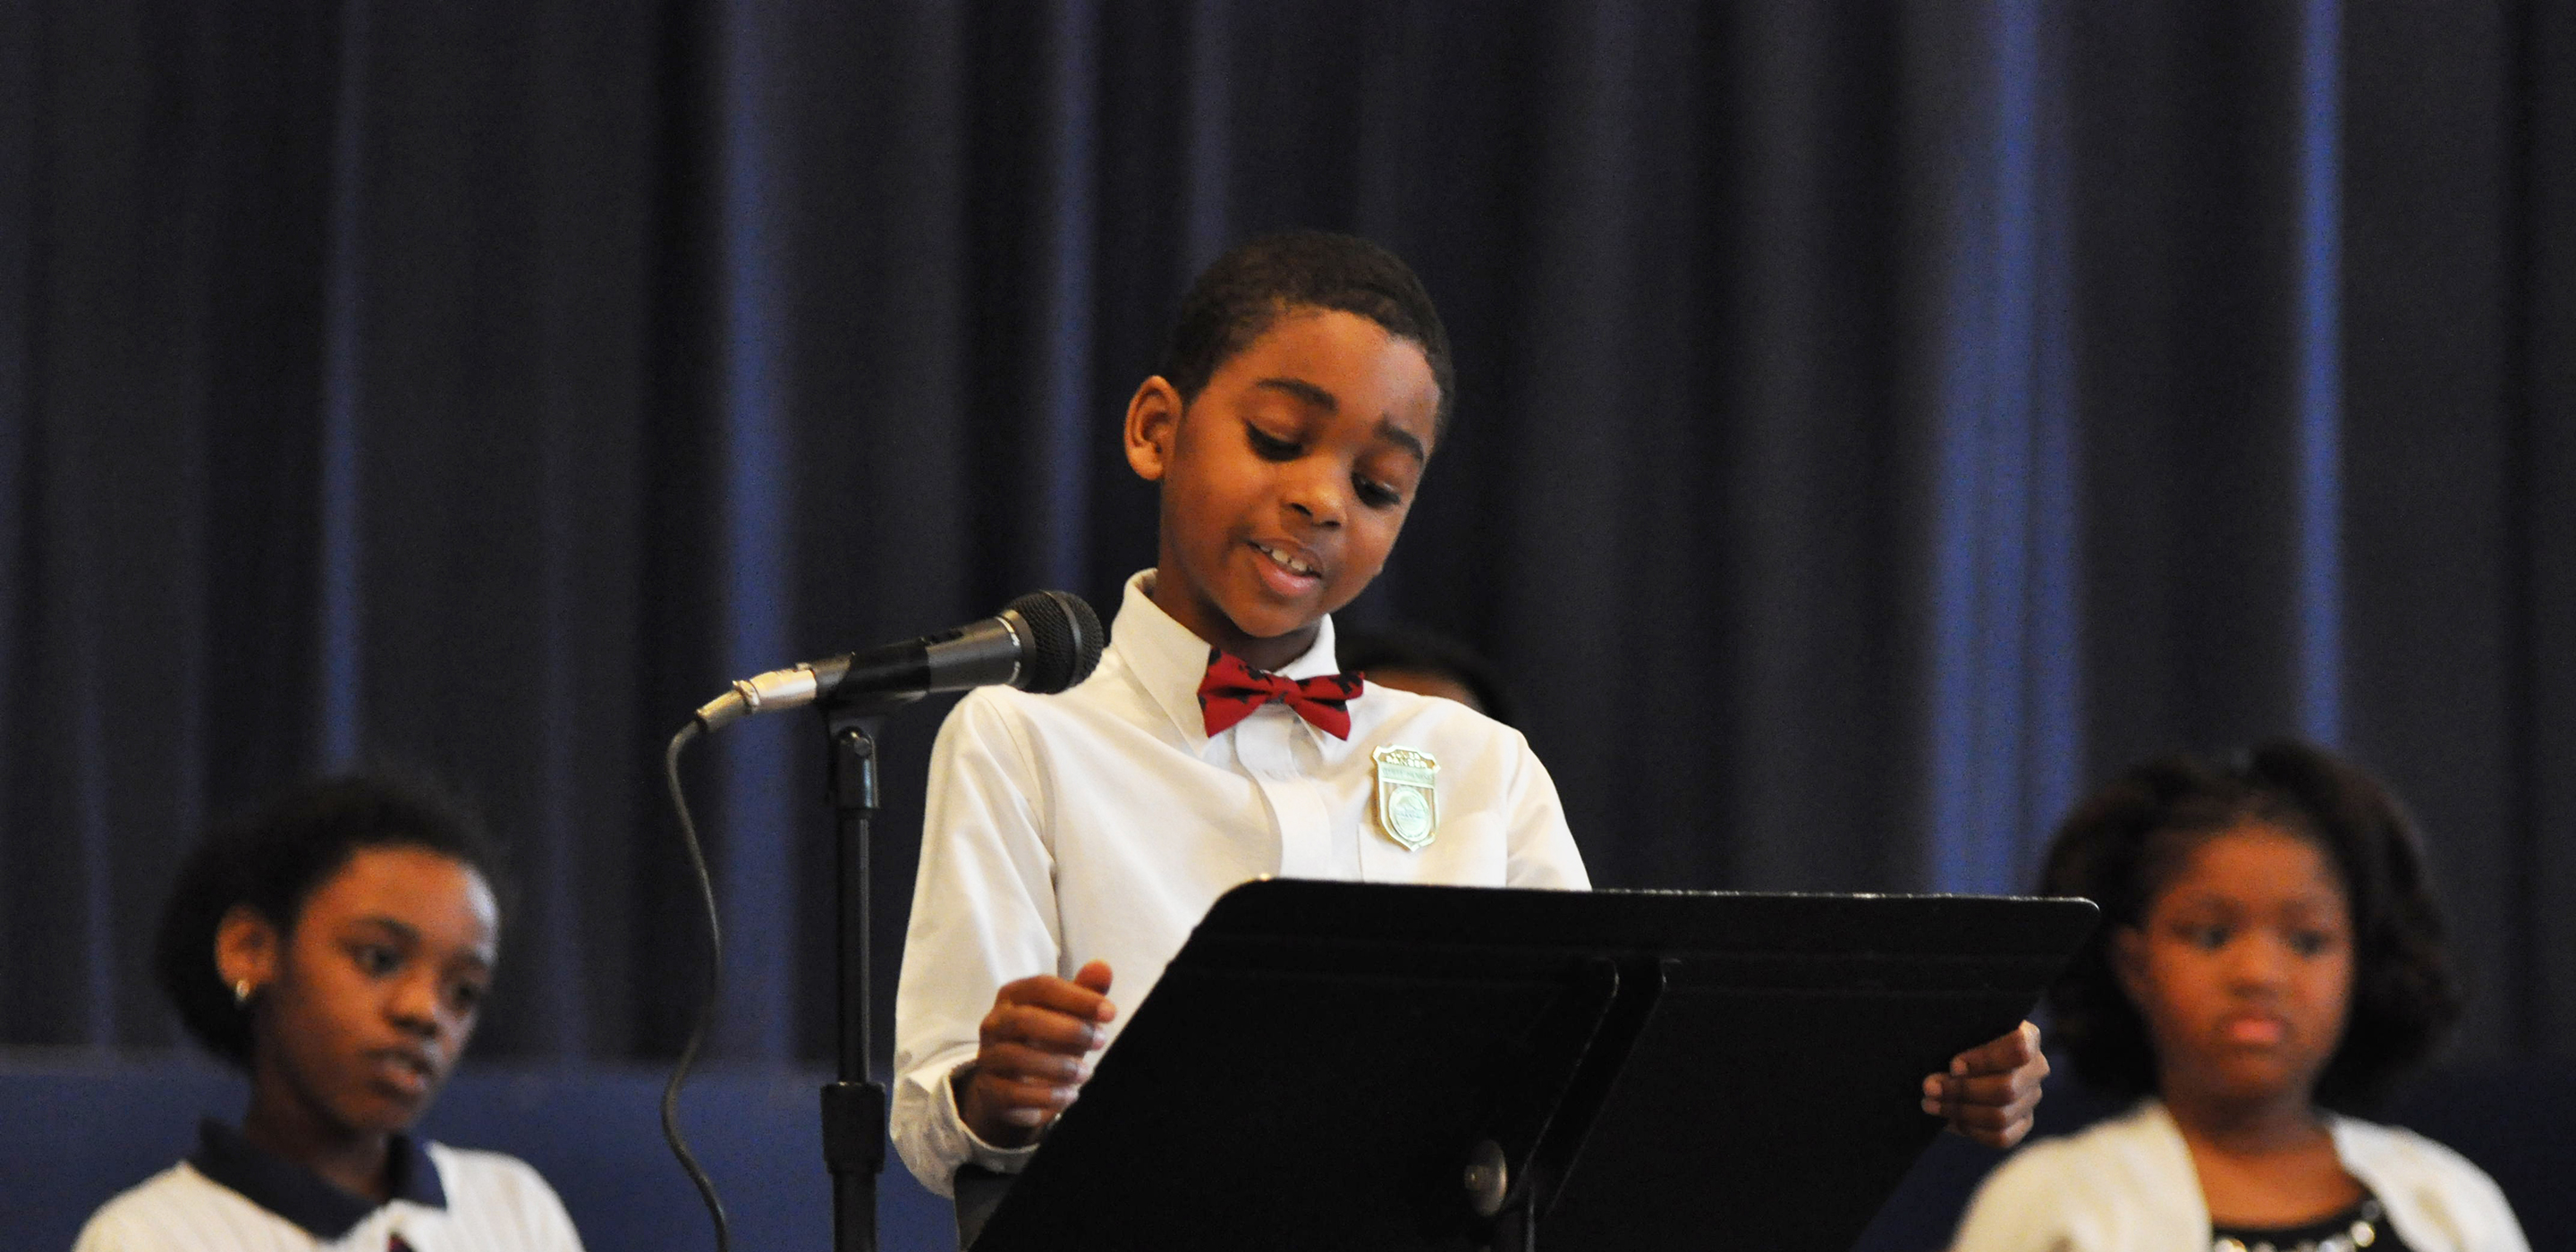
(1992, 1089)
(1033, 1055)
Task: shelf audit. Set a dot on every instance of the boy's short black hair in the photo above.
(275, 859)
(1424, 651)
(1238, 297)
(2122, 845)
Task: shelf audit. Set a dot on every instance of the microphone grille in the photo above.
(1065, 640)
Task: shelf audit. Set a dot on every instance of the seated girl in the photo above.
(337, 950)
(2270, 958)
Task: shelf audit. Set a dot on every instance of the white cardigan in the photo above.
(2128, 1185)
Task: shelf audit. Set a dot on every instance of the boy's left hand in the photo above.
(1992, 1089)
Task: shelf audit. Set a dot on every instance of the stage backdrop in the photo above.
(1876, 423)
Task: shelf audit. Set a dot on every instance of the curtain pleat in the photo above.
(1875, 426)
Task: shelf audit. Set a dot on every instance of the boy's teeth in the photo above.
(1286, 561)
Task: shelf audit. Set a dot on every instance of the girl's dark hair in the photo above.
(274, 860)
(2125, 843)
(1239, 297)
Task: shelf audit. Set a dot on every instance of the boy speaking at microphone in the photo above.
(1072, 841)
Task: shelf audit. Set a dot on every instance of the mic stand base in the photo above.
(854, 1119)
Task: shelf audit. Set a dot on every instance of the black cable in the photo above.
(707, 1005)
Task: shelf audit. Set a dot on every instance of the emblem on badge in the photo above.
(1408, 798)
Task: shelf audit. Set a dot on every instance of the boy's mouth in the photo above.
(1297, 565)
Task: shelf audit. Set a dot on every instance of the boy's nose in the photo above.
(1319, 499)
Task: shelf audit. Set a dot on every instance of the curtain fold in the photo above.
(1875, 426)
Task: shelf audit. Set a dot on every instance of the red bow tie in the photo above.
(1232, 690)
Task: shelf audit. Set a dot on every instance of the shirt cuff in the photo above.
(978, 1152)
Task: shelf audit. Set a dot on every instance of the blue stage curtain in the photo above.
(1876, 423)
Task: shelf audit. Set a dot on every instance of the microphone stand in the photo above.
(854, 1108)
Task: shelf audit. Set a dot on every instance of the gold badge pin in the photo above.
(1408, 796)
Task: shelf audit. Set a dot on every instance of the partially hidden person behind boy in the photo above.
(1428, 663)
(336, 948)
(2270, 952)
(1306, 388)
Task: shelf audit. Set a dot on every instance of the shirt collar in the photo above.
(1169, 659)
(301, 1196)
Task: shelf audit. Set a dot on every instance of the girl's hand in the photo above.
(1033, 1054)
(1992, 1090)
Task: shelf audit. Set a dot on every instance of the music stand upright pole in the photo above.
(854, 1108)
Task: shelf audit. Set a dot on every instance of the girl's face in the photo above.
(2243, 967)
(363, 1009)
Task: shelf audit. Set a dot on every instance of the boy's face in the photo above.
(1286, 482)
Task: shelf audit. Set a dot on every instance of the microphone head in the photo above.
(1064, 640)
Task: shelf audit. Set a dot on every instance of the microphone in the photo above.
(1043, 642)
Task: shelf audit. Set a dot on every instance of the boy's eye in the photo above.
(2309, 942)
(376, 959)
(1376, 495)
(1268, 447)
(465, 997)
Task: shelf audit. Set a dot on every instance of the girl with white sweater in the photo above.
(2270, 953)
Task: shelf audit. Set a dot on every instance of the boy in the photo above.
(1075, 837)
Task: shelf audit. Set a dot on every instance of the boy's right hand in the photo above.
(1033, 1054)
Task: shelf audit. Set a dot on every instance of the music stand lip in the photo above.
(1417, 1025)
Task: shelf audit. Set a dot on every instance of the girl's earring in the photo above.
(241, 991)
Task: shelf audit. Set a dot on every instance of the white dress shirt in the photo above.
(2128, 1185)
(1101, 823)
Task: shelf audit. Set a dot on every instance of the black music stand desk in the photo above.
(1355, 1067)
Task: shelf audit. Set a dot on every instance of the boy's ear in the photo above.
(1153, 423)
(246, 947)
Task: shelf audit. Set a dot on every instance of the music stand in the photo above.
(1360, 1066)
